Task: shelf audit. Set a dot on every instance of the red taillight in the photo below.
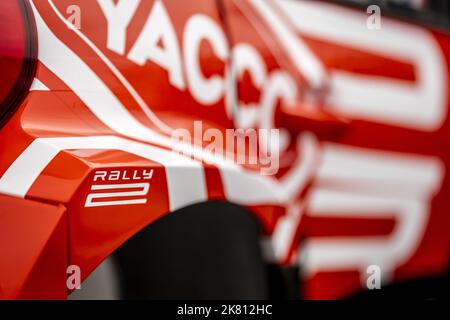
(17, 52)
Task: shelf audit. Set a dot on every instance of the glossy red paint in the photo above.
(33, 251)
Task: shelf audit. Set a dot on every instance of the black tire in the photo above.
(205, 251)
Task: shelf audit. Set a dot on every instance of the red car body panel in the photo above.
(107, 97)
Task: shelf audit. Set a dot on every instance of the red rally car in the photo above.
(128, 166)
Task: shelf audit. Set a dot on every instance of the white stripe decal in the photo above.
(185, 177)
(371, 184)
(143, 190)
(346, 253)
(185, 186)
(62, 61)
